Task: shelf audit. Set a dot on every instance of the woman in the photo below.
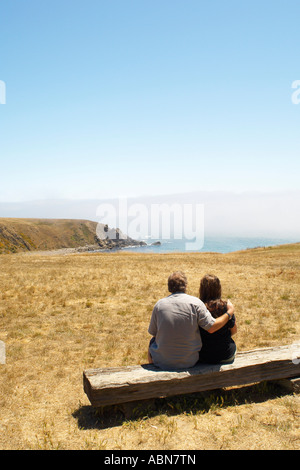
(217, 347)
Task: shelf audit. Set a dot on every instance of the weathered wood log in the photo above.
(111, 386)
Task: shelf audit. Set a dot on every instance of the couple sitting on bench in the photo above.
(187, 330)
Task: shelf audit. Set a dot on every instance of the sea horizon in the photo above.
(216, 244)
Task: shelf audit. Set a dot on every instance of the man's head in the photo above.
(177, 282)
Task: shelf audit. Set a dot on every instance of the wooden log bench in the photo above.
(113, 386)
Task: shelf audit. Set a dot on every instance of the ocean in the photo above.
(211, 244)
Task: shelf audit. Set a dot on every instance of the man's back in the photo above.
(175, 325)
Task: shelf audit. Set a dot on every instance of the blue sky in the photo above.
(134, 97)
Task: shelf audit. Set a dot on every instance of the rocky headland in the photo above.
(60, 235)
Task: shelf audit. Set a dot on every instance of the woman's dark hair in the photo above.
(210, 288)
(210, 293)
(177, 282)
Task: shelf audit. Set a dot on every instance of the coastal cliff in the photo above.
(23, 235)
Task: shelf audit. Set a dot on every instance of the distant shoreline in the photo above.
(92, 249)
(69, 236)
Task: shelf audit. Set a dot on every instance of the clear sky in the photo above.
(131, 97)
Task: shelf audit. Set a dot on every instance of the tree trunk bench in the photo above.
(112, 386)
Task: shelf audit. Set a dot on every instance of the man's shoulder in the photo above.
(180, 297)
(162, 301)
(192, 300)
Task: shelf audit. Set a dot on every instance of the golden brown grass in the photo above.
(62, 314)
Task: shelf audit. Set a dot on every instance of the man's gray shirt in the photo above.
(175, 324)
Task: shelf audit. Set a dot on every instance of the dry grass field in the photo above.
(60, 314)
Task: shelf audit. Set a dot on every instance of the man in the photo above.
(175, 325)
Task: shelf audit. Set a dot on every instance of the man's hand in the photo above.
(223, 319)
(230, 308)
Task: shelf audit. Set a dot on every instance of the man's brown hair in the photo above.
(177, 282)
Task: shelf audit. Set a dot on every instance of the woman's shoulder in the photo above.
(217, 307)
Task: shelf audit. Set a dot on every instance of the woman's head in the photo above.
(177, 282)
(210, 288)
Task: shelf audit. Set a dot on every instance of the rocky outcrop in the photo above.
(111, 238)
